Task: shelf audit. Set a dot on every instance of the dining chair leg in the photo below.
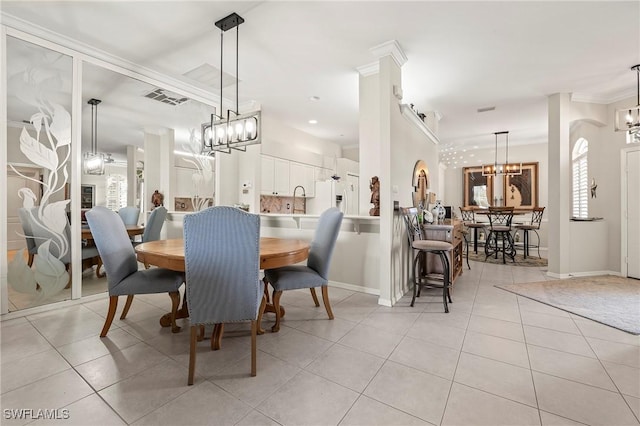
(254, 330)
(415, 280)
(113, 304)
(315, 297)
(192, 353)
(216, 337)
(200, 333)
(325, 299)
(276, 307)
(263, 304)
(98, 274)
(175, 301)
(127, 305)
(30, 261)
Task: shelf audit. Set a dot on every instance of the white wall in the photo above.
(280, 140)
(454, 185)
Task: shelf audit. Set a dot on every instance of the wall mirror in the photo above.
(130, 109)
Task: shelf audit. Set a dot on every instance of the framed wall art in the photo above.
(478, 189)
(521, 191)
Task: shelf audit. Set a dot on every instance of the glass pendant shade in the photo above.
(93, 162)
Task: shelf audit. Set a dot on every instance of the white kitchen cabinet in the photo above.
(275, 176)
(302, 175)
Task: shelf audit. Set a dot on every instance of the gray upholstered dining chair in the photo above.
(316, 272)
(222, 260)
(151, 233)
(40, 234)
(129, 215)
(123, 276)
(154, 225)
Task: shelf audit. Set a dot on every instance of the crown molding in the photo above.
(26, 30)
(369, 69)
(390, 48)
(604, 100)
(411, 115)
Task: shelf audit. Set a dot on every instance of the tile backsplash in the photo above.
(277, 204)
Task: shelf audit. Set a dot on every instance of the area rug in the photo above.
(607, 299)
(519, 260)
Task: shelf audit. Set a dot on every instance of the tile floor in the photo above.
(496, 359)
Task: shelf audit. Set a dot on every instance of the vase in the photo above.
(438, 212)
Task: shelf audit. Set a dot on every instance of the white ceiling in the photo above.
(461, 55)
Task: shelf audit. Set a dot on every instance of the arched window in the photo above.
(580, 179)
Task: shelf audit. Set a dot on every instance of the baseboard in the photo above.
(51, 306)
(583, 274)
(353, 287)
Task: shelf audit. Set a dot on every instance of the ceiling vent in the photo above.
(166, 97)
(209, 75)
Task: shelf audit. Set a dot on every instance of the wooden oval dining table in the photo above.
(169, 254)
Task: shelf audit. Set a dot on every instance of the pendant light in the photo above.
(628, 119)
(231, 130)
(93, 162)
(505, 168)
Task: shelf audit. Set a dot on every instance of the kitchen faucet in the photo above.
(304, 203)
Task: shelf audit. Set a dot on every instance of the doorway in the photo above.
(631, 177)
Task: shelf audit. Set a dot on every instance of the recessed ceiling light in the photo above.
(314, 98)
(313, 121)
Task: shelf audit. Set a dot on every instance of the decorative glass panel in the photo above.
(38, 173)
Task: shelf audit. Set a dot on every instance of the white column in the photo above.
(559, 185)
(159, 164)
(132, 188)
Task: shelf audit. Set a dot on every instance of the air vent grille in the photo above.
(166, 97)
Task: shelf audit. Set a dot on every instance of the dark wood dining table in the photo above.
(169, 254)
(132, 231)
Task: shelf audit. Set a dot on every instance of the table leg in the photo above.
(475, 240)
(183, 312)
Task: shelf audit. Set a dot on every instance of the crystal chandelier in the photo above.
(505, 168)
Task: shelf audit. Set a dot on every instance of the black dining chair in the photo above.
(420, 248)
(534, 225)
(500, 239)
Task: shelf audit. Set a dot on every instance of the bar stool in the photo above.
(500, 230)
(421, 247)
(469, 220)
(536, 220)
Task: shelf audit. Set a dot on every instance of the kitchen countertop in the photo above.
(316, 216)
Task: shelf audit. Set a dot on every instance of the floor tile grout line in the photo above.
(533, 382)
(455, 370)
(78, 373)
(607, 371)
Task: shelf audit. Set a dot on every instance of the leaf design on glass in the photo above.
(54, 216)
(50, 272)
(61, 125)
(20, 275)
(28, 197)
(36, 152)
(38, 120)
